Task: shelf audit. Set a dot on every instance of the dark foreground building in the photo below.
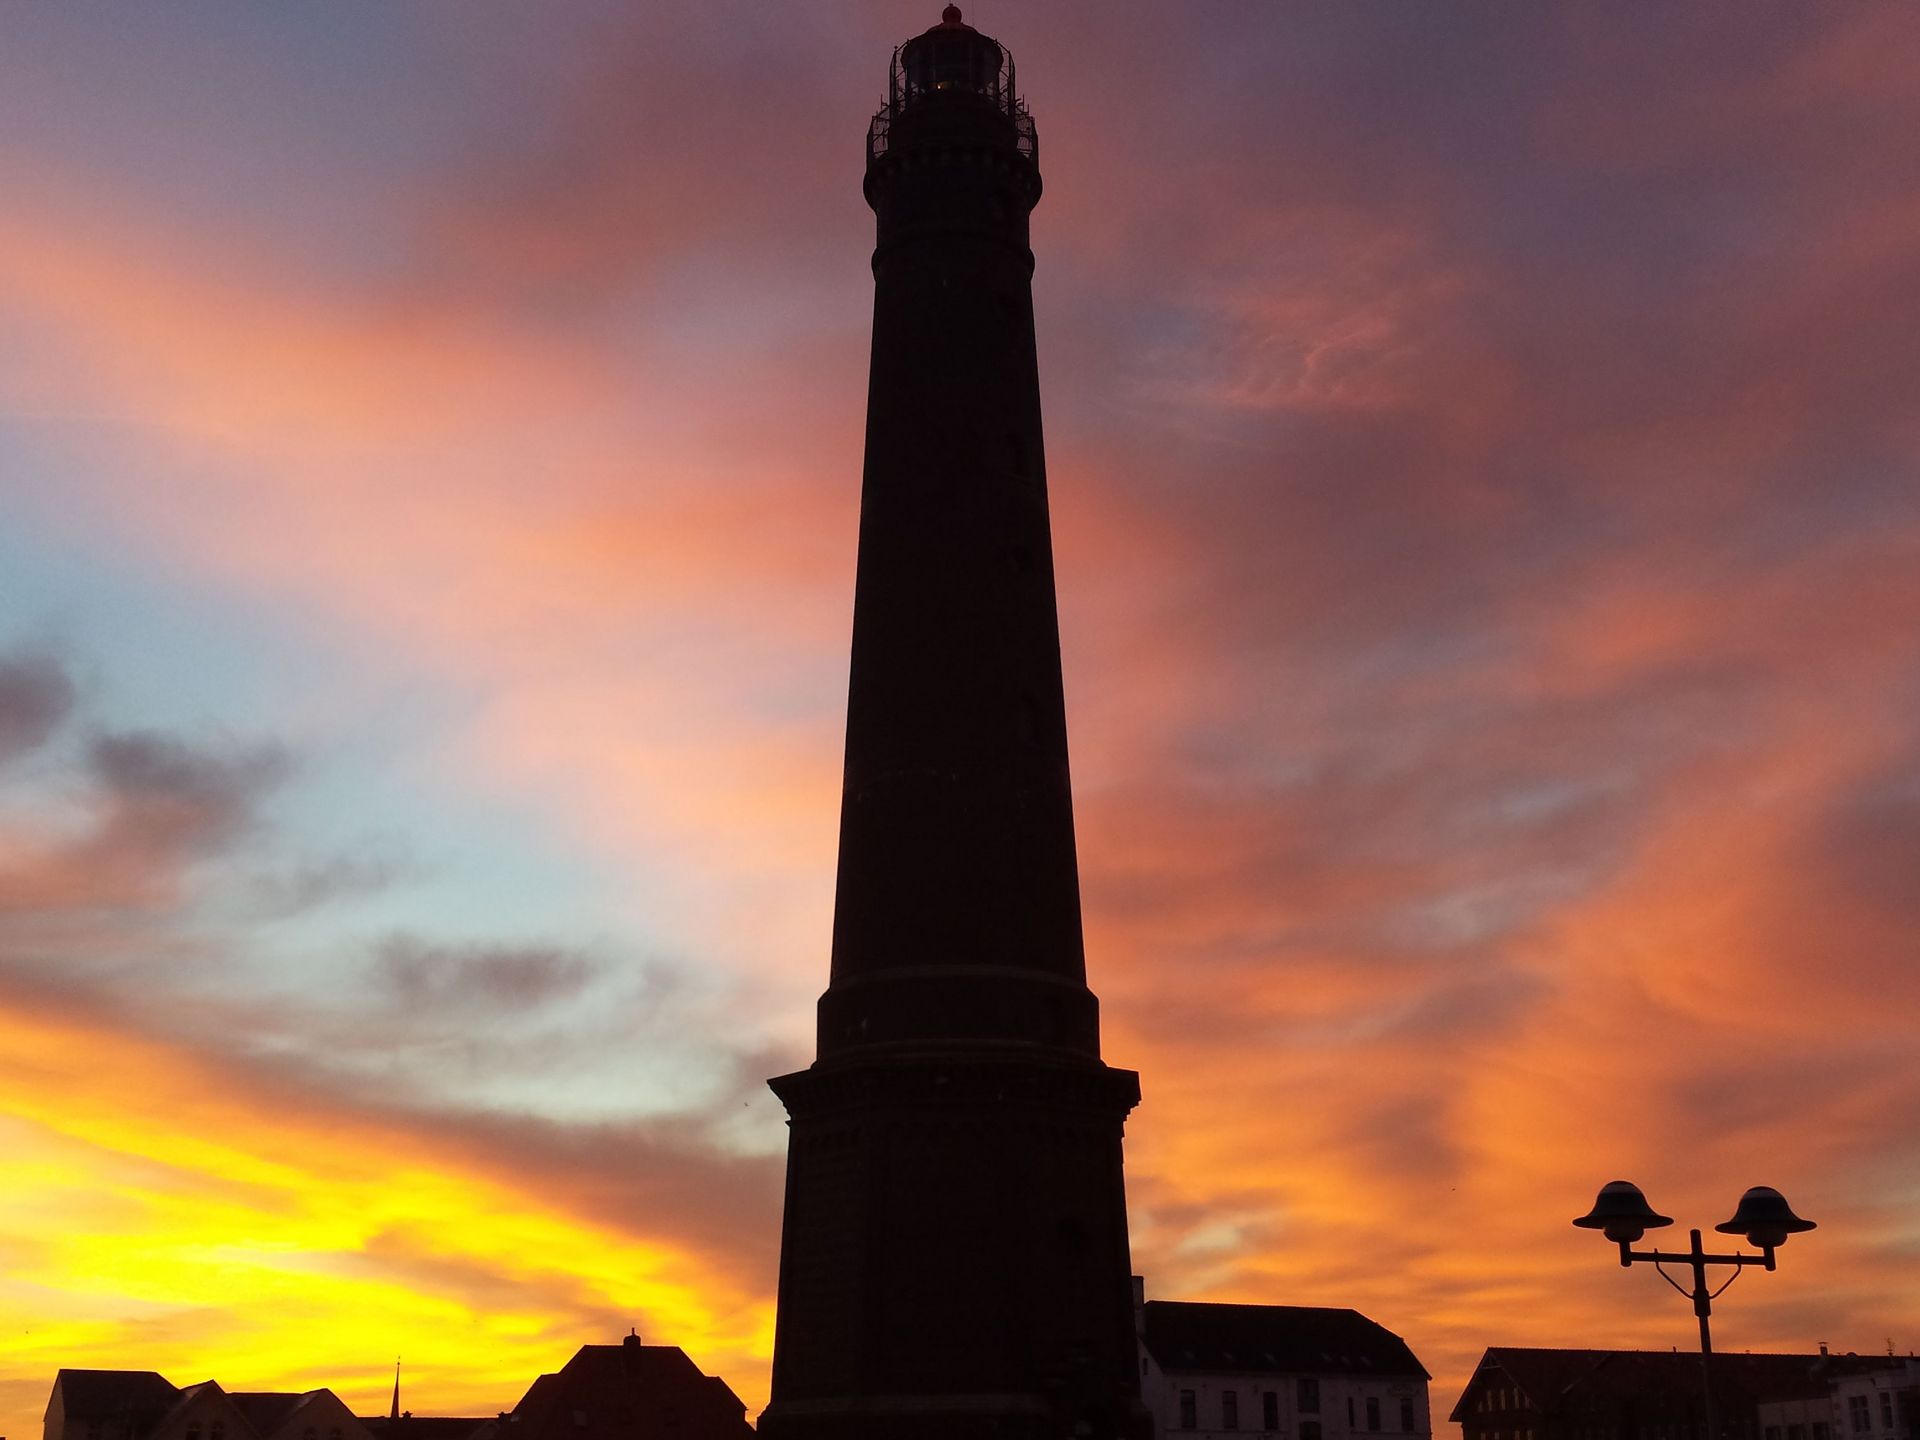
(954, 1256)
(1521, 1393)
(144, 1405)
(627, 1391)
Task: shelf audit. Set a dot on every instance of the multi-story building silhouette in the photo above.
(1278, 1372)
(1524, 1393)
(954, 1257)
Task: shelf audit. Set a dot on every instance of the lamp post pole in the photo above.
(1697, 1259)
(1703, 1307)
(1622, 1213)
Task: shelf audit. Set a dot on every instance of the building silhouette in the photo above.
(1278, 1372)
(954, 1257)
(1524, 1393)
(628, 1391)
(143, 1405)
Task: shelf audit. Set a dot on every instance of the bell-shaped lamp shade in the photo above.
(1765, 1218)
(1622, 1212)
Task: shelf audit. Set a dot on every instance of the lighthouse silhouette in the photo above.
(954, 1254)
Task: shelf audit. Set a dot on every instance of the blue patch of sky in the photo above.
(156, 649)
(145, 653)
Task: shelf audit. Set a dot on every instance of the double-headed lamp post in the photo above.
(1766, 1220)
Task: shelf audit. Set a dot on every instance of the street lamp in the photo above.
(1763, 1216)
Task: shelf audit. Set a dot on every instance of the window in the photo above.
(1858, 1419)
(1189, 1412)
(1406, 1415)
(1886, 1409)
(193, 1432)
(1309, 1430)
(1796, 1432)
(1373, 1412)
(1349, 1412)
(1270, 1411)
(1306, 1397)
(1821, 1431)
(217, 1430)
(1230, 1410)
(1772, 1432)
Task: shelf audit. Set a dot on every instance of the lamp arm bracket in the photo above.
(1662, 1271)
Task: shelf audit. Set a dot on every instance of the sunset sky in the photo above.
(1485, 457)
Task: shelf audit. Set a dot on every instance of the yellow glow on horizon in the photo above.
(184, 1224)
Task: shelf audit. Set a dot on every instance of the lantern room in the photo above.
(949, 69)
(952, 58)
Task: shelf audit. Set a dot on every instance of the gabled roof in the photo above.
(119, 1396)
(628, 1391)
(266, 1410)
(1272, 1339)
(1558, 1381)
(187, 1396)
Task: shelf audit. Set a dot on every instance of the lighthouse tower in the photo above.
(954, 1255)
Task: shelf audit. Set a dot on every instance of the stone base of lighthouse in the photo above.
(954, 1257)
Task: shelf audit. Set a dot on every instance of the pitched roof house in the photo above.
(628, 1391)
(1294, 1372)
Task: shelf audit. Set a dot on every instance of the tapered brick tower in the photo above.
(954, 1257)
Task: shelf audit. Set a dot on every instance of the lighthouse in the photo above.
(954, 1257)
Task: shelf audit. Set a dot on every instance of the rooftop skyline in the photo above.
(1482, 454)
